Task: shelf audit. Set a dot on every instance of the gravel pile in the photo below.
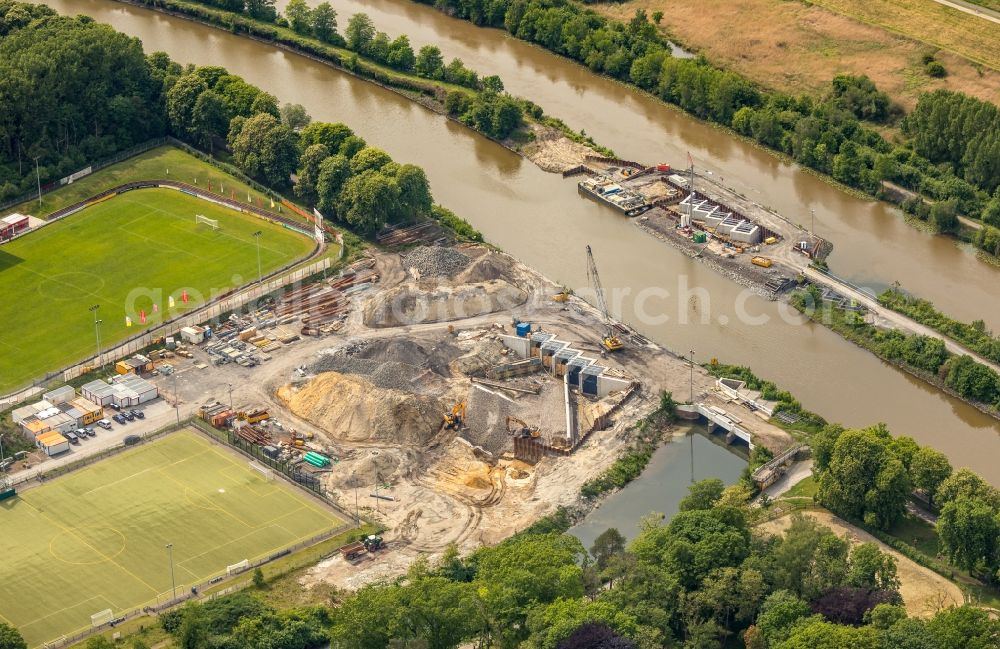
(433, 261)
(390, 374)
(486, 420)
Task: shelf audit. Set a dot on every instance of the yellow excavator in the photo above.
(562, 296)
(610, 341)
(521, 428)
(453, 420)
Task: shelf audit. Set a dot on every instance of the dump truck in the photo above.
(352, 551)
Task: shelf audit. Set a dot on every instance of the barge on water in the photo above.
(608, 191)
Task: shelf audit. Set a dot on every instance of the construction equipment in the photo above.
(521, 429)
(610, 341)
(253, 416)
(453, 420)
(763, 262)
(373, 542)
(561, 296)
(353, 550)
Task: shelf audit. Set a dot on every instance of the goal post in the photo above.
(103, 617)
(265, 472)
(201, 219)
(238, 567)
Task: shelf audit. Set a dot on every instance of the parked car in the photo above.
(131, 440)
(73, 439)
(105, 424)
(81, 433)
(138, 414)
(128, 415)
(120, 419)
(90, 431)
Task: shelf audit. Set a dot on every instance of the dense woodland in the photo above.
(953, 151)
(110, 96)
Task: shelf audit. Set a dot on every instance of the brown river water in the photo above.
(541, 219)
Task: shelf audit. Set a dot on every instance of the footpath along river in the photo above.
(540, 218)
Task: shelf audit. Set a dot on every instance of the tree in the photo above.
(964, 627)
(872, 568)
(556, 622)
(295, 117)
(333, 173)
(308, 173)
(819, 634)
(944, 215)
(261, 9)
(181, 99)
(209, 118)
(330, 135)
(369, 158)
(351, 145)
(99, 642)
(401, 55)
(414, 191)
(928, 470)
(299, 16)
(359, 32)
(324, 22)
(865, 479)
(258, 578)
(969, 529)
(778, 614)
(595, 635)
(657, 17)
(494, 84)
(702, 494)
(429, 63)
(10, 638)
(266, 149)
(608, 544)
(966, 483)
(265, 102)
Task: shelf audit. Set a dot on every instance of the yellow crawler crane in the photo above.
(610, 341)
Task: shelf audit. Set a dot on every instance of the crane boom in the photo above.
(610, 342)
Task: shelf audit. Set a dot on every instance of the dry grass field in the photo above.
(788, 46)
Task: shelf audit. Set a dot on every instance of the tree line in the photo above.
(99, 95)
(868, 475)
(487, 108)
(926, 355)
(828, 134)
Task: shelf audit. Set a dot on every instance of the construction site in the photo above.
(746, 242)
(449, 393)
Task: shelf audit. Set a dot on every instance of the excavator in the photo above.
(453, 420)
(561, 296)
(521, 428)
(610, 342)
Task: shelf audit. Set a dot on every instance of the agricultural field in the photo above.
(884, 39)
(125, 254)
(96, 539)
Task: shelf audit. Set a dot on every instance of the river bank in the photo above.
(548, 142)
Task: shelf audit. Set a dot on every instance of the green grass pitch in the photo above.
(146, 241)
(96, 538)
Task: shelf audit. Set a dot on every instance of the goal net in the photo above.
(238, 567)
(265, 472)
(204, 220)
(105, 616)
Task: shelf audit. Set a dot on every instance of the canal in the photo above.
(662, 485)
(539, 218)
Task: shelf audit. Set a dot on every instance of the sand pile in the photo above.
(352, 409)
(391, 363)
(553, 151)
(407, 304)
(386, 466)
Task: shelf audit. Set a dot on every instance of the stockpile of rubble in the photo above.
(433, 261)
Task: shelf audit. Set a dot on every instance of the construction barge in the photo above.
(608, 191)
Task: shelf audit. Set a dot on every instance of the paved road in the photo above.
(795, 474)
(889, 318)
(969, 8)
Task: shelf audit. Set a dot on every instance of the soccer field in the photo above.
(123, 254)
(96, 539)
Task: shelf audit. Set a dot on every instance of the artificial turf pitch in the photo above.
(96, 539)
(123, 254)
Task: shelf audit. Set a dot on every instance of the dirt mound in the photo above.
(391, 363)
(485, 354)
(407, 305)
(384, 466)
(435, 261)
(353, 409)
